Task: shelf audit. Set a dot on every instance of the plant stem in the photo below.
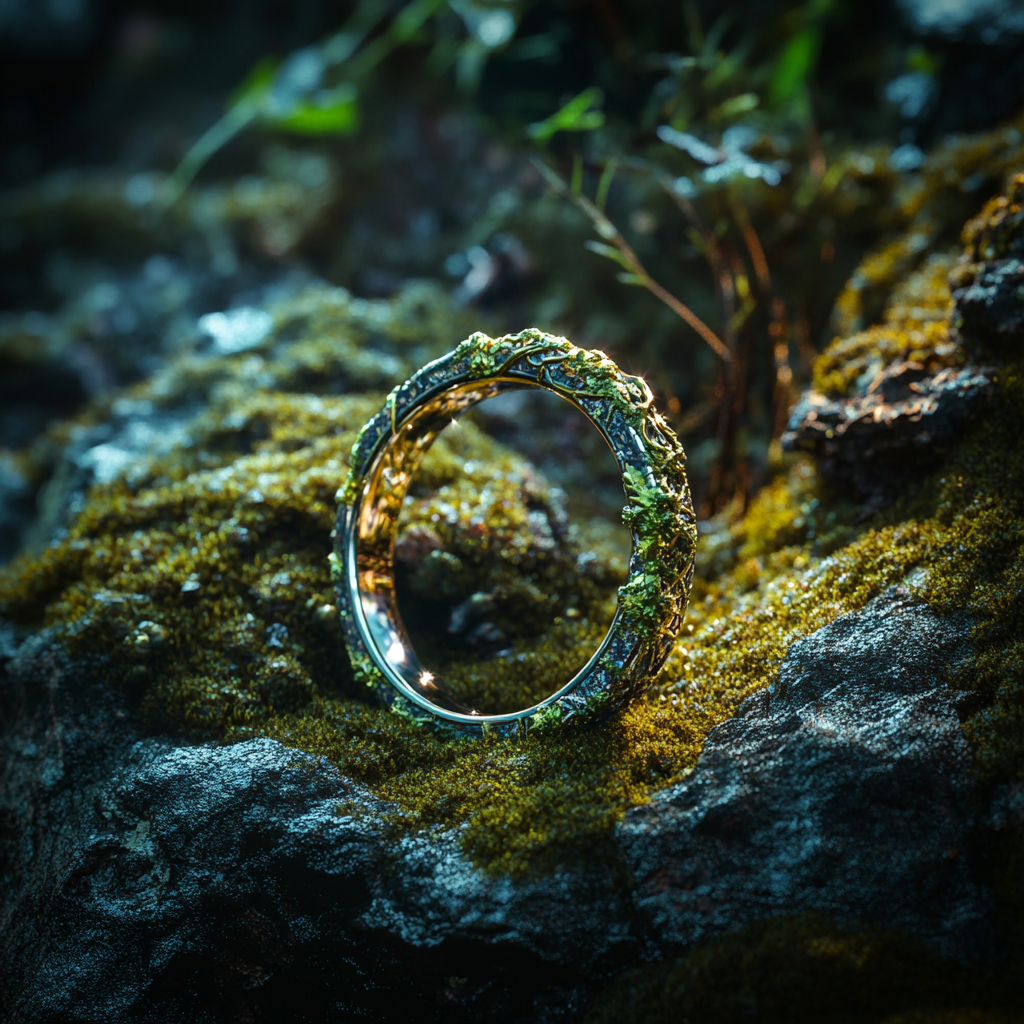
(608, 231)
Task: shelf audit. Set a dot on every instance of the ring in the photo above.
(385, 459)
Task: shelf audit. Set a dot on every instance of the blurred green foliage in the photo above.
(575, 116)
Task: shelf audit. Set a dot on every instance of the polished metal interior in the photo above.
(371, 570)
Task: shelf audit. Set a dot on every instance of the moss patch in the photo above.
(200, 586)
(213, 659)
(998, 230)
(916, 326)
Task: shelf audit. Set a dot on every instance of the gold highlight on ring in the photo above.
(659, 514)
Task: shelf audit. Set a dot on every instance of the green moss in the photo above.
(998, 230)
(977, 566)
(543, 799)
(805, 969)
(203, 588)
(532, 669)
(916, 326)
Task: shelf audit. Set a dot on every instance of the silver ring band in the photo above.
(385, 459)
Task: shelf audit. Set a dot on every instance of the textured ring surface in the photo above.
(659, 514)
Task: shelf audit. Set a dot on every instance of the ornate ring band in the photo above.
(385, 459)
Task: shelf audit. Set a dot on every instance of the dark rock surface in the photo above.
(203, 883)
(896, 429)
(991, 310)
(145, 881)
(579, 918)
(845, 791)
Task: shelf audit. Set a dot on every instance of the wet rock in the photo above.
(577, 918)
(892, 430)
(144, 880)
(211, 868)
(991, 310)
(988, 282)
(845, 792)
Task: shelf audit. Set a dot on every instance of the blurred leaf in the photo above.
(731, 65)
(920, 60)
(715, 35)
(693, 25)
(575, 116)
(576, 184)
(288, 95)
(795, 65)
(344, 43)
(257, 83)
(737, 105)
(329, 112)
(411, 19)
(611, 253)
(601, 199)
(634, 279)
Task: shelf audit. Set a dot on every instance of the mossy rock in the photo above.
(201, 587)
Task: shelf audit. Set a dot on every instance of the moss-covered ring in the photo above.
(660, 516)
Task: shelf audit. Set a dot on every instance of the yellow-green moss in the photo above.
(925, 210)
(999, 228)
(544, 799)
(995, 233)
(916, 325)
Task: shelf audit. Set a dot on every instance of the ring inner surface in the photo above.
(383, 497)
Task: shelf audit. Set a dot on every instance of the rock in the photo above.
(988, 282)
(991, 310)
(893, 430)
(578, 918)
(846, 792)
(149, 881)
(144, 880)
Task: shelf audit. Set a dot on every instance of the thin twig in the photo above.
(611, 234)
(757, 257)
(724, 285)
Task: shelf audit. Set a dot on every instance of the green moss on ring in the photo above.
(660, 516)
